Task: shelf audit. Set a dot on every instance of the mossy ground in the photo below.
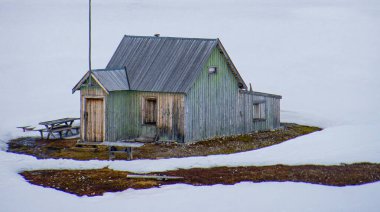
(98, 181)
(225, 145)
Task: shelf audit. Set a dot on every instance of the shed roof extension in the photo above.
(108, 79)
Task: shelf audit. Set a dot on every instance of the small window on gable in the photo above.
(259, 111)
(150, 111)
(212, 70)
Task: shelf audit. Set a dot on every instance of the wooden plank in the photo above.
(26, 128)
(108, 143)
(122, 144)
(60, 129)
(58, 121)
(155, 177)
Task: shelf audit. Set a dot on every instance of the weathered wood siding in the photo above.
(211, 102)
(94, 124)
(245, 119)
(124, 115)
(214, 106)
(89, 92)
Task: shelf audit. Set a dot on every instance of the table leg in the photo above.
(49, 129)
(129, 153)
(42, 135)
(70, 124)
(112, 150)
(51, 133)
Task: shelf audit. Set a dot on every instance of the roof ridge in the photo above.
(168, 37)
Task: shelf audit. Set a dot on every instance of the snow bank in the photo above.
(18, 195)
(332, 146)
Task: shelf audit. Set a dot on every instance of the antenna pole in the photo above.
(89, 39)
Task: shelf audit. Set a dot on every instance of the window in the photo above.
(150, 111)
(212, 70)
(259, 111)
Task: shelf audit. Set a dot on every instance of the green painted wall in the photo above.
(211, 102)
(124, 116)
(214, 106)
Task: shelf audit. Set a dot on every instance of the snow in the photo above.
(240, 197)
(334, 145)
(320, 55)
(269, 196)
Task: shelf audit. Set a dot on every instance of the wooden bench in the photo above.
(57, 130)
(26, 128)
(60, 131)
(76, 128)
(41, 132)
(112, 147)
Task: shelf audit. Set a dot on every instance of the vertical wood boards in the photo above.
(214, 106)
(93, 124)
(93, 92)
(270, 119)
(125, 119)
(211, 102)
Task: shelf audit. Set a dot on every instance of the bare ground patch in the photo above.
(98, 181)
(231, 144)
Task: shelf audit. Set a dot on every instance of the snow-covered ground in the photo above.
(321, 55)
(334, 145)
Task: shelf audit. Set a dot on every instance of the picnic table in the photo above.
(58, 126)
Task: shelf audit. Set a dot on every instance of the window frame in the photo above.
(145, 110)
(259, 111)
(215, 69)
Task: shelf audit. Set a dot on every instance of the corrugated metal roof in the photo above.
(112, 80)
(163, 64)
(109, 79)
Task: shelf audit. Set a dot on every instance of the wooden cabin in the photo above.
(167, 88)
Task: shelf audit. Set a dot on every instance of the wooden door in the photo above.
(94, 120)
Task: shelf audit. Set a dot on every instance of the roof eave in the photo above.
(200, 68)
(100, 84)
(84, 78)
(231, 64)
(81, 81)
